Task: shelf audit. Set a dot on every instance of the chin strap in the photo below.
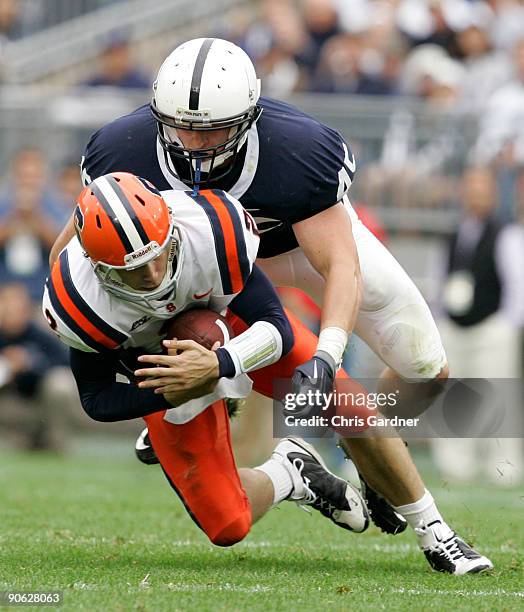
(198, 164)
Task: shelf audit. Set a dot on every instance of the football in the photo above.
(201, 325)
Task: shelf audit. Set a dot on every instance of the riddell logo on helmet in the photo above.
(139, 254)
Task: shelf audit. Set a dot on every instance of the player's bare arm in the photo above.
(63, 238)
(337, 261)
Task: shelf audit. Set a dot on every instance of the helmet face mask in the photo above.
(111, 279)
(216, 161)
(123, 224)
(203, 86)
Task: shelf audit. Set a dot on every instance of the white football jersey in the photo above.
(219, 243)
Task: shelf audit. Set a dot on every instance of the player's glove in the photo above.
(313, 380)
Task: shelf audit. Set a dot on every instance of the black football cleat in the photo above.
(381, 511)
(315, 486)
(448, 553)
(144, 449)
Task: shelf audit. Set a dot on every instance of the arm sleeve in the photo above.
(102, 397)
(258, 301)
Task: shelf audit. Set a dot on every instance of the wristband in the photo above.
(332, 340)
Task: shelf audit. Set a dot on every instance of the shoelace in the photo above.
(453, 549)
(450, 547)
(309, 497)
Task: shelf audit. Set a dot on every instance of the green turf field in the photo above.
(113, 536)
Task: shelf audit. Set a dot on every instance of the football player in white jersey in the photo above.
(138, 259)
(209, 127)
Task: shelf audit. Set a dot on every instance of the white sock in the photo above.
(422, 512)
(280, 478)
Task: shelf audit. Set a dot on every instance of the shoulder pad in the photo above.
(235, 237)
(72, 318)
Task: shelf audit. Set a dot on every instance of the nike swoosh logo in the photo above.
(140, 445)
(313, 379)
(199, 296)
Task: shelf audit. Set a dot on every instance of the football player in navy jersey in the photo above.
(208, 127)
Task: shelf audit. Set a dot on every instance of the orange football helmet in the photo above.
(122, 223)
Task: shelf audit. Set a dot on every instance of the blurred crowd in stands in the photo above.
(458, 59)
(451, 49)
(36, 389)
(20, 18)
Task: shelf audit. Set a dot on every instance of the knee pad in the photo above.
(234, 532)
(412, 351)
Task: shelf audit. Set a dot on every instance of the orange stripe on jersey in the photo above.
(230, 240)
(75, 313)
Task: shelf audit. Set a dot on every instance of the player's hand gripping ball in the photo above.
(205, 327)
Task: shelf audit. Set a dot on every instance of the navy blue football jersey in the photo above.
(291, 168)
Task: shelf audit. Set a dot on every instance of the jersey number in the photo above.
(50, 319)
(250, 223)
(344, 177)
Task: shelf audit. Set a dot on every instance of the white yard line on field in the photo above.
(474, 593)
(352, 544)
(257, 588)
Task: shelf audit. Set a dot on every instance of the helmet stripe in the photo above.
(130, 210)
(196, 80)
(119, 216)
(115, 222)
